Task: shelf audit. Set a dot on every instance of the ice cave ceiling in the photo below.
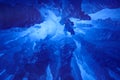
(59, 39)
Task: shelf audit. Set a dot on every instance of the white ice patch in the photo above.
(50, 27)
(49, 74)
(84, 74)
(106, 13)
(82, 67)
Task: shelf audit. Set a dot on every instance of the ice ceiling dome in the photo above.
(35, 45)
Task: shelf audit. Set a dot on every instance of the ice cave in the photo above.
(59, 39)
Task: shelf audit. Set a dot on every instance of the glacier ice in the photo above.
(44, 51)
